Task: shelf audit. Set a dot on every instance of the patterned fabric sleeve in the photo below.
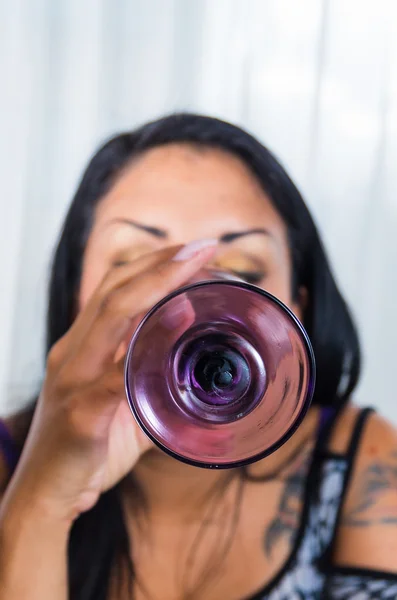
(361, 584)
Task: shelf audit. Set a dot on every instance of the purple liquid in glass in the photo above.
(219, 373)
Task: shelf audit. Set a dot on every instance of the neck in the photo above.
(173, 489)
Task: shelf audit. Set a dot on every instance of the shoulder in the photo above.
(367, 532)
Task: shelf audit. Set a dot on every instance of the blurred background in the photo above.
(315, 80)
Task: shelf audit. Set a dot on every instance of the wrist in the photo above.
(35, 544)
(23, 512)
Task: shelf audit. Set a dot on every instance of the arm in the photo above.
(73, 452)
(33, 549)
(23, 573)
(367, 536)
(365, 557)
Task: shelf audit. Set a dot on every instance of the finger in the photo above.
(174, 318)
(114, 278)
(124, 303)
(177, 315)
(90, 406)
(123, 347)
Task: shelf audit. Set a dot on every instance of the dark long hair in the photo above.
(99, 540)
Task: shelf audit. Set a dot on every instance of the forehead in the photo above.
(180, 185)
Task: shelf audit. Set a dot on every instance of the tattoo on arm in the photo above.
(376, 497)
(286, 521)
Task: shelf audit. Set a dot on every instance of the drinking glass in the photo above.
(219, 373)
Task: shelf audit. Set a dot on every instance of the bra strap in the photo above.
(356, 434)
(350, 458)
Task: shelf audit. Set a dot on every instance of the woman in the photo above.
(90, 510)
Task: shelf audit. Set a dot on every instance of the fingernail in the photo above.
(190, 250)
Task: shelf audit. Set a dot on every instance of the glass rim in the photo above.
(309, 391)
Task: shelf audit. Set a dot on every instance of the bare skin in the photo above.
(169, 197)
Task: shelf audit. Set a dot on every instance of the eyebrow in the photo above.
(159, 233)
(226, 238)
(230, 237)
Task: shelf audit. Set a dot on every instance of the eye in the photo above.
(253, 277)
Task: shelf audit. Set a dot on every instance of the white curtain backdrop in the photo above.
(315, 80)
